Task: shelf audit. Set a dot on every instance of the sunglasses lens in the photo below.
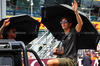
(13, 32)
(63, 21)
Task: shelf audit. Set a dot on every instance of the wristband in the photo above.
(76, 13)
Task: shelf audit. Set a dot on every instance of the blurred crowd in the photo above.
(91, 53)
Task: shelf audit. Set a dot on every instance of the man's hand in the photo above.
(6, 22)
(1, 37)
(75, 6)
(55, 50)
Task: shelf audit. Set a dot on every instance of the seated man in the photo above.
(17, 55)
(11, 33)
(68, 54)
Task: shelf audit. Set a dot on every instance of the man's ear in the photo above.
(70, 24)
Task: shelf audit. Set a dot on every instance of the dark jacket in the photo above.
(86, 61)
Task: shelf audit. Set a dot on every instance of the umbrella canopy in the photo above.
(27, 28)
(51, 19)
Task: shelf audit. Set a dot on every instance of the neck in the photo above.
(66, 31)
(10, 38)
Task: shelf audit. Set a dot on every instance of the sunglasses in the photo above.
(12, 31)
(63, 21)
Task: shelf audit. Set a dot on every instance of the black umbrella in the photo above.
(51, 17)
(27, 28)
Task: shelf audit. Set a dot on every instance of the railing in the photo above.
(49, 52)
(50, 42)
(46, 51)
(38, 41)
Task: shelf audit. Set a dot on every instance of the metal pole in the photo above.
(2, 9)
(24, 53)
(37, 57)
(89, 14)
(31, 8)
(98, 11)
(28, 6)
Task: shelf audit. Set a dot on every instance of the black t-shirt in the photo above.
(69, 43)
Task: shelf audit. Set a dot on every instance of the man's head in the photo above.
(87, 52)
(12, 33)
(65, 23)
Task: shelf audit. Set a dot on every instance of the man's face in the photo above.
(12, 33)
(65, 25)
(87, 52)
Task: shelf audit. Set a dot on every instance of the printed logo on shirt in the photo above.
(69, 36)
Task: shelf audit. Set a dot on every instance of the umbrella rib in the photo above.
(44, 14)
(35, 28)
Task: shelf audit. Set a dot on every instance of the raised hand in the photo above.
(75, 6)
(6, 22)
(55, 50)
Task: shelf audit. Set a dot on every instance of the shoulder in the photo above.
(73, 31)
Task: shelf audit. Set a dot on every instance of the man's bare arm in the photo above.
(6, 23)
(79, 20)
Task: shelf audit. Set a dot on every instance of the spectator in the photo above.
(96, 54)
(92, 53)
(87, 60)
(99, 58)
(17, 56)
(41, 47)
